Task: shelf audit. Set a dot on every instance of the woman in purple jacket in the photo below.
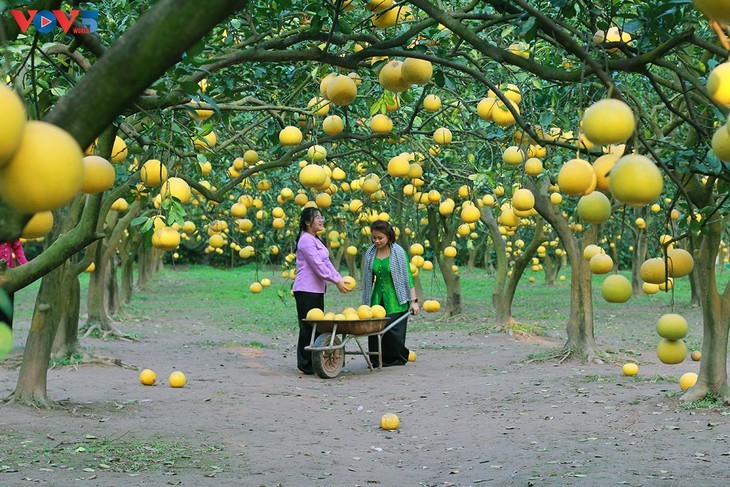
(314, 269)
(8, 250)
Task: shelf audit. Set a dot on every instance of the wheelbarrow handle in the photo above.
(401, 318)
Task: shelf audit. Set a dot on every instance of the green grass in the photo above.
(223, 298)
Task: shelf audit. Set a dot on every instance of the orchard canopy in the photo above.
(521, 134)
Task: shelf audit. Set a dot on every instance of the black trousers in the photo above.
(305, 302)
(393, 342)
(5, 318)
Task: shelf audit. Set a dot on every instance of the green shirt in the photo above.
(383, 288)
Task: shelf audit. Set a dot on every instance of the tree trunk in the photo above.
(638, 256)
(452, 281)
(113, 306)
(66, 341)
(502, 307)
(51, 299)
(145, 266)
(127, 287)
(97, 314)
(551, 267)
(716, 320)
(581, 340)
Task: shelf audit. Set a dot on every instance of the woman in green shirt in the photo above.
(388, 281)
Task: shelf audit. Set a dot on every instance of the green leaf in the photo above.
(139, 221)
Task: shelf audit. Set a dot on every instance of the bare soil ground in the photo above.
(473, 409)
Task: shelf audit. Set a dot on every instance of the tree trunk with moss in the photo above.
(66, 341)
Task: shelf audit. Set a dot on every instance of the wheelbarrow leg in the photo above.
(364, 353)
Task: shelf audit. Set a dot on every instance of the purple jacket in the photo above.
(314, 267)
(7, 249)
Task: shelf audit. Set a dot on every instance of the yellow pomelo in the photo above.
(45, 172)
(12, 122)
(319, 106)
(432, 103)
(687, 380)
(350, 282)
(470, 214)
(594, 207)
(325, 82)
(178, 188)
(431, 305)
(290, 135)
(653, 270)
(378, 5)
(378, 311)
(513, 156)
(502, 116)
(333, 125)
(317, 153)
(616, 289)
(718, 84)
(177, 379)
(672, 326)
(398, 167)
(389, 422)
(166, 238)
(556, 198)
(120, 151)
(364, 312)
(682, 262)
(39, 224)
(601, 264)
(602, 166)
(427, 265)
(391, 17)
(323, 200)
(381, 124)
(153, 173)
(99, 175)
(635, 180)
(484, 108)
(576, 177)
(416, 71)
(650, 288)
(630, 369)
(147, 377)
(442, 136)
(450, 252)
(391, 77)
(608, 122)
(671, 351)
(714, 9)
(207, 141)
(721, 143)
(533, 166)
(523, 200)
(312, 176)
(341, 90)
(416, 249)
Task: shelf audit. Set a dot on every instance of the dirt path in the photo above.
(472, 413)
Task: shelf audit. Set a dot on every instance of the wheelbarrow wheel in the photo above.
(328, 363)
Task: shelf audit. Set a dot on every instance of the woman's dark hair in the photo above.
(383, 227)
(306, 219)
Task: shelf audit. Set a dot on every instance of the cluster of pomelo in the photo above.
(363, 312)
(42, 166)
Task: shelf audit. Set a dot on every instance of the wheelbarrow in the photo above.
(328, 349)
